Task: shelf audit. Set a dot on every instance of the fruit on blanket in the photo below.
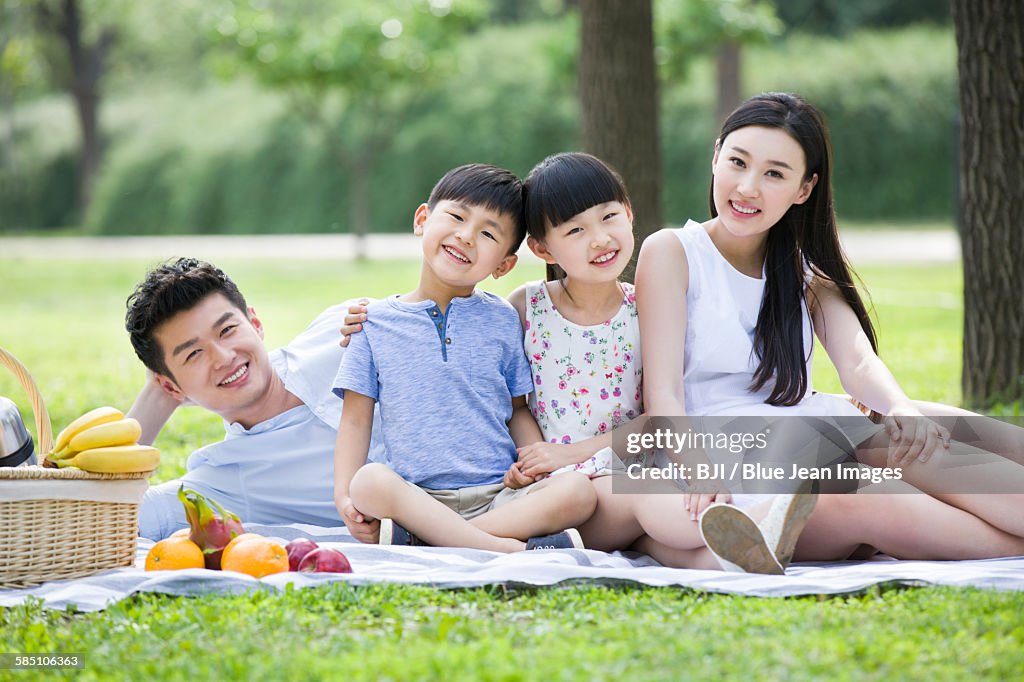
(256, 556)
(120, 459)
(325, 560)
(101, 415)
(212, 532)
(122, 432)
(234, 543)
(174, 553)
(297, 551)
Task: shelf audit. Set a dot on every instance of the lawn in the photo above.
(64, 321)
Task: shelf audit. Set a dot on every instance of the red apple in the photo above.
(325, 560)
(297, 551)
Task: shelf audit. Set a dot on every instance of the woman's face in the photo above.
(758, 174)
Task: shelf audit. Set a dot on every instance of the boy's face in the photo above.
(464, 243)
(216, 355)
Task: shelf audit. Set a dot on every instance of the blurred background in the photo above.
(137, 117)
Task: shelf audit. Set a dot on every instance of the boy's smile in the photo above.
(462, 245)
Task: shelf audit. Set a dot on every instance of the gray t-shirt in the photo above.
(444, 383)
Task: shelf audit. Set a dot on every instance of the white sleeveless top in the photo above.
(722, 305)
(587, 379)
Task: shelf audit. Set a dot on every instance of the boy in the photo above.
(446, 364)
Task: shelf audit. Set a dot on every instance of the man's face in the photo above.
(216, 355)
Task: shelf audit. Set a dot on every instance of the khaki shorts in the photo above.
(476, 500)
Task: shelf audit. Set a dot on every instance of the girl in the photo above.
(727, 309)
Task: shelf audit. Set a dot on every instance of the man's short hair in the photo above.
(168, 289)
(484, 185)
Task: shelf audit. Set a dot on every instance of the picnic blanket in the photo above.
(461, 568)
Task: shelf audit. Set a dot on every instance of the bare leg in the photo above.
(378, 492)
(978, 430)
(699, 558)
(903, 524)
(550, 506)
(621, 518)
(982, 483)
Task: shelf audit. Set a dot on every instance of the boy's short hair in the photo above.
(484, 185)
(167, 290)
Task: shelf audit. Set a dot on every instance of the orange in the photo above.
(234, 543)
(256, 556)
(173, 553)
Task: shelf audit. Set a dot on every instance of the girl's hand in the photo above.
(702, 495)
(912, 436)
(515, 479)
(353, 321)
(537, 459)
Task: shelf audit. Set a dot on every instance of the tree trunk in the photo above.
(359, 206)
(728, 81)
(87, 65)
(991, 65)
(619, 102)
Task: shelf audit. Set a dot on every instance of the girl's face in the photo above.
(758, 174)
(592, 247)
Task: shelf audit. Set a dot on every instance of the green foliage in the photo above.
(840, 17)
(689, 28)
(239, 158)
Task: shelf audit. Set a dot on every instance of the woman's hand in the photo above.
(912, 436)
(537, 459)
(353, 321)
(702, 495)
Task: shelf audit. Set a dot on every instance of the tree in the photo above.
(86, 60)
(990, 42)
(353, 69)
(619, 101)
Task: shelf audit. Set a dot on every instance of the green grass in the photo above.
(63, 320)
(580, 632)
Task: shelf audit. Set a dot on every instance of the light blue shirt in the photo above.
(444, 383)
(281, 470)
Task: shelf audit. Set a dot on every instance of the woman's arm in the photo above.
(867, 379)
(662, 279)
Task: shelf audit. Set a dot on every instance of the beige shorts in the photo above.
(476, 500)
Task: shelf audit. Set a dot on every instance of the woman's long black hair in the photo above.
(806, 233)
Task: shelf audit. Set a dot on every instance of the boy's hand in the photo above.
(537, 459)
(353, 321)
(362, 529)
(515, 479)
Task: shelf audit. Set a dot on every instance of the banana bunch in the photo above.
(104, 441)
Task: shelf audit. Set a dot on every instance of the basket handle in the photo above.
(43, 427)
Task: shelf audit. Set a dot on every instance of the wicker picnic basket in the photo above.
(57, 524)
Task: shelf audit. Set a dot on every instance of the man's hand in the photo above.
(353, 321)
(515, 478)
(912, 436)
(537, 459)
(363, 529)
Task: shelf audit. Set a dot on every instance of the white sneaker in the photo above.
(737, 542)
(785, 521)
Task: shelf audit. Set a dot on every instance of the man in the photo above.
(191, 327)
